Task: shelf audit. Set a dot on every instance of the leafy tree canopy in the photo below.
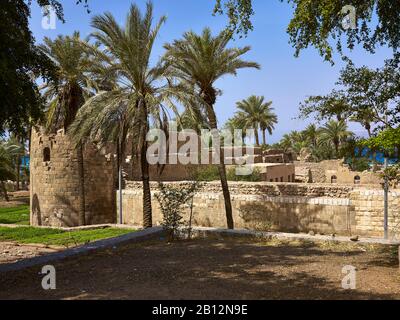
(21, 62)
(386, 140)
(239, 13)
(315, 23)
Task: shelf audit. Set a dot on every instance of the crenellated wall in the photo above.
(290, 207)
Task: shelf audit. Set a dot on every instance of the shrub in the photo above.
(206, 174)
(360, 164)
(172, 200)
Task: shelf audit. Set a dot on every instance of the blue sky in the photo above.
(284, 79)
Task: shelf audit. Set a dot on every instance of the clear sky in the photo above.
(284, 79)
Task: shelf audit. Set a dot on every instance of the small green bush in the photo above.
(206, 174)
(360, 164)
(172, 200)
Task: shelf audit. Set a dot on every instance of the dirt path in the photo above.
(215, 269)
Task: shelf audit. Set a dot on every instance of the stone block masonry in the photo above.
(55, 182)
(287, 207)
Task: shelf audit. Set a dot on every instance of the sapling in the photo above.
(172, 200)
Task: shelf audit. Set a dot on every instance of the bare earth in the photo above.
(215, 269)
(12, 252)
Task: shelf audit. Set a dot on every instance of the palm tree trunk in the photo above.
(81, 175)
(4, 189)
(257, 137)
(337, 149)
(147, 209)
(264, 137)
(221, 168)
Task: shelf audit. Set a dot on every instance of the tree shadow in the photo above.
(205, 269)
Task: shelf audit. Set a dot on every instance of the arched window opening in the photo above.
(357, 180)
(334, 179)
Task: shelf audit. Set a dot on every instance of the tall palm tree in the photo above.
(125, 107)
(68, 94)
(335, 133)
(198, 61)
(257, 114)
(268, 120)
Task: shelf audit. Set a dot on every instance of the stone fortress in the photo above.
(295, 196)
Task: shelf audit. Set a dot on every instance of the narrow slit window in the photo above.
(46, 154)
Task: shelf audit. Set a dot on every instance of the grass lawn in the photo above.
(16, 215)
(46, 236)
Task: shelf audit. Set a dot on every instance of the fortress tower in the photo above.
(54, 187)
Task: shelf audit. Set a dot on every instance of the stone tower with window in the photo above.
(54, 183)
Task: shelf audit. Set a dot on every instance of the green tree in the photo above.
(256, 114)
(20, 63)
(66, 95)
(197, 62)
(333, 105)
(239, 13)
(127, 53)
(237, 123)
(387, 141)
(268, 121)
(17, 147)
(312, 134)
(373, 94)
(335, 133)
(316, 23)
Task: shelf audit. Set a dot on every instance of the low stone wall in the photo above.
(287, 207)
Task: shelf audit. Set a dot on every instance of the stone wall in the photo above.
(343, 210)
(55, 182)
(324, 171)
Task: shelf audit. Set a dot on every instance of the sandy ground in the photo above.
(12, 252)
(215, 269)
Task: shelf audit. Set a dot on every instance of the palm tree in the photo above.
(235, 123)
(257, 114)
(335, 133)
(192, 118)
(124, 108)
(267, 121)
(311, 134)
(18, 149)
(198, 61)
(68, 94)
